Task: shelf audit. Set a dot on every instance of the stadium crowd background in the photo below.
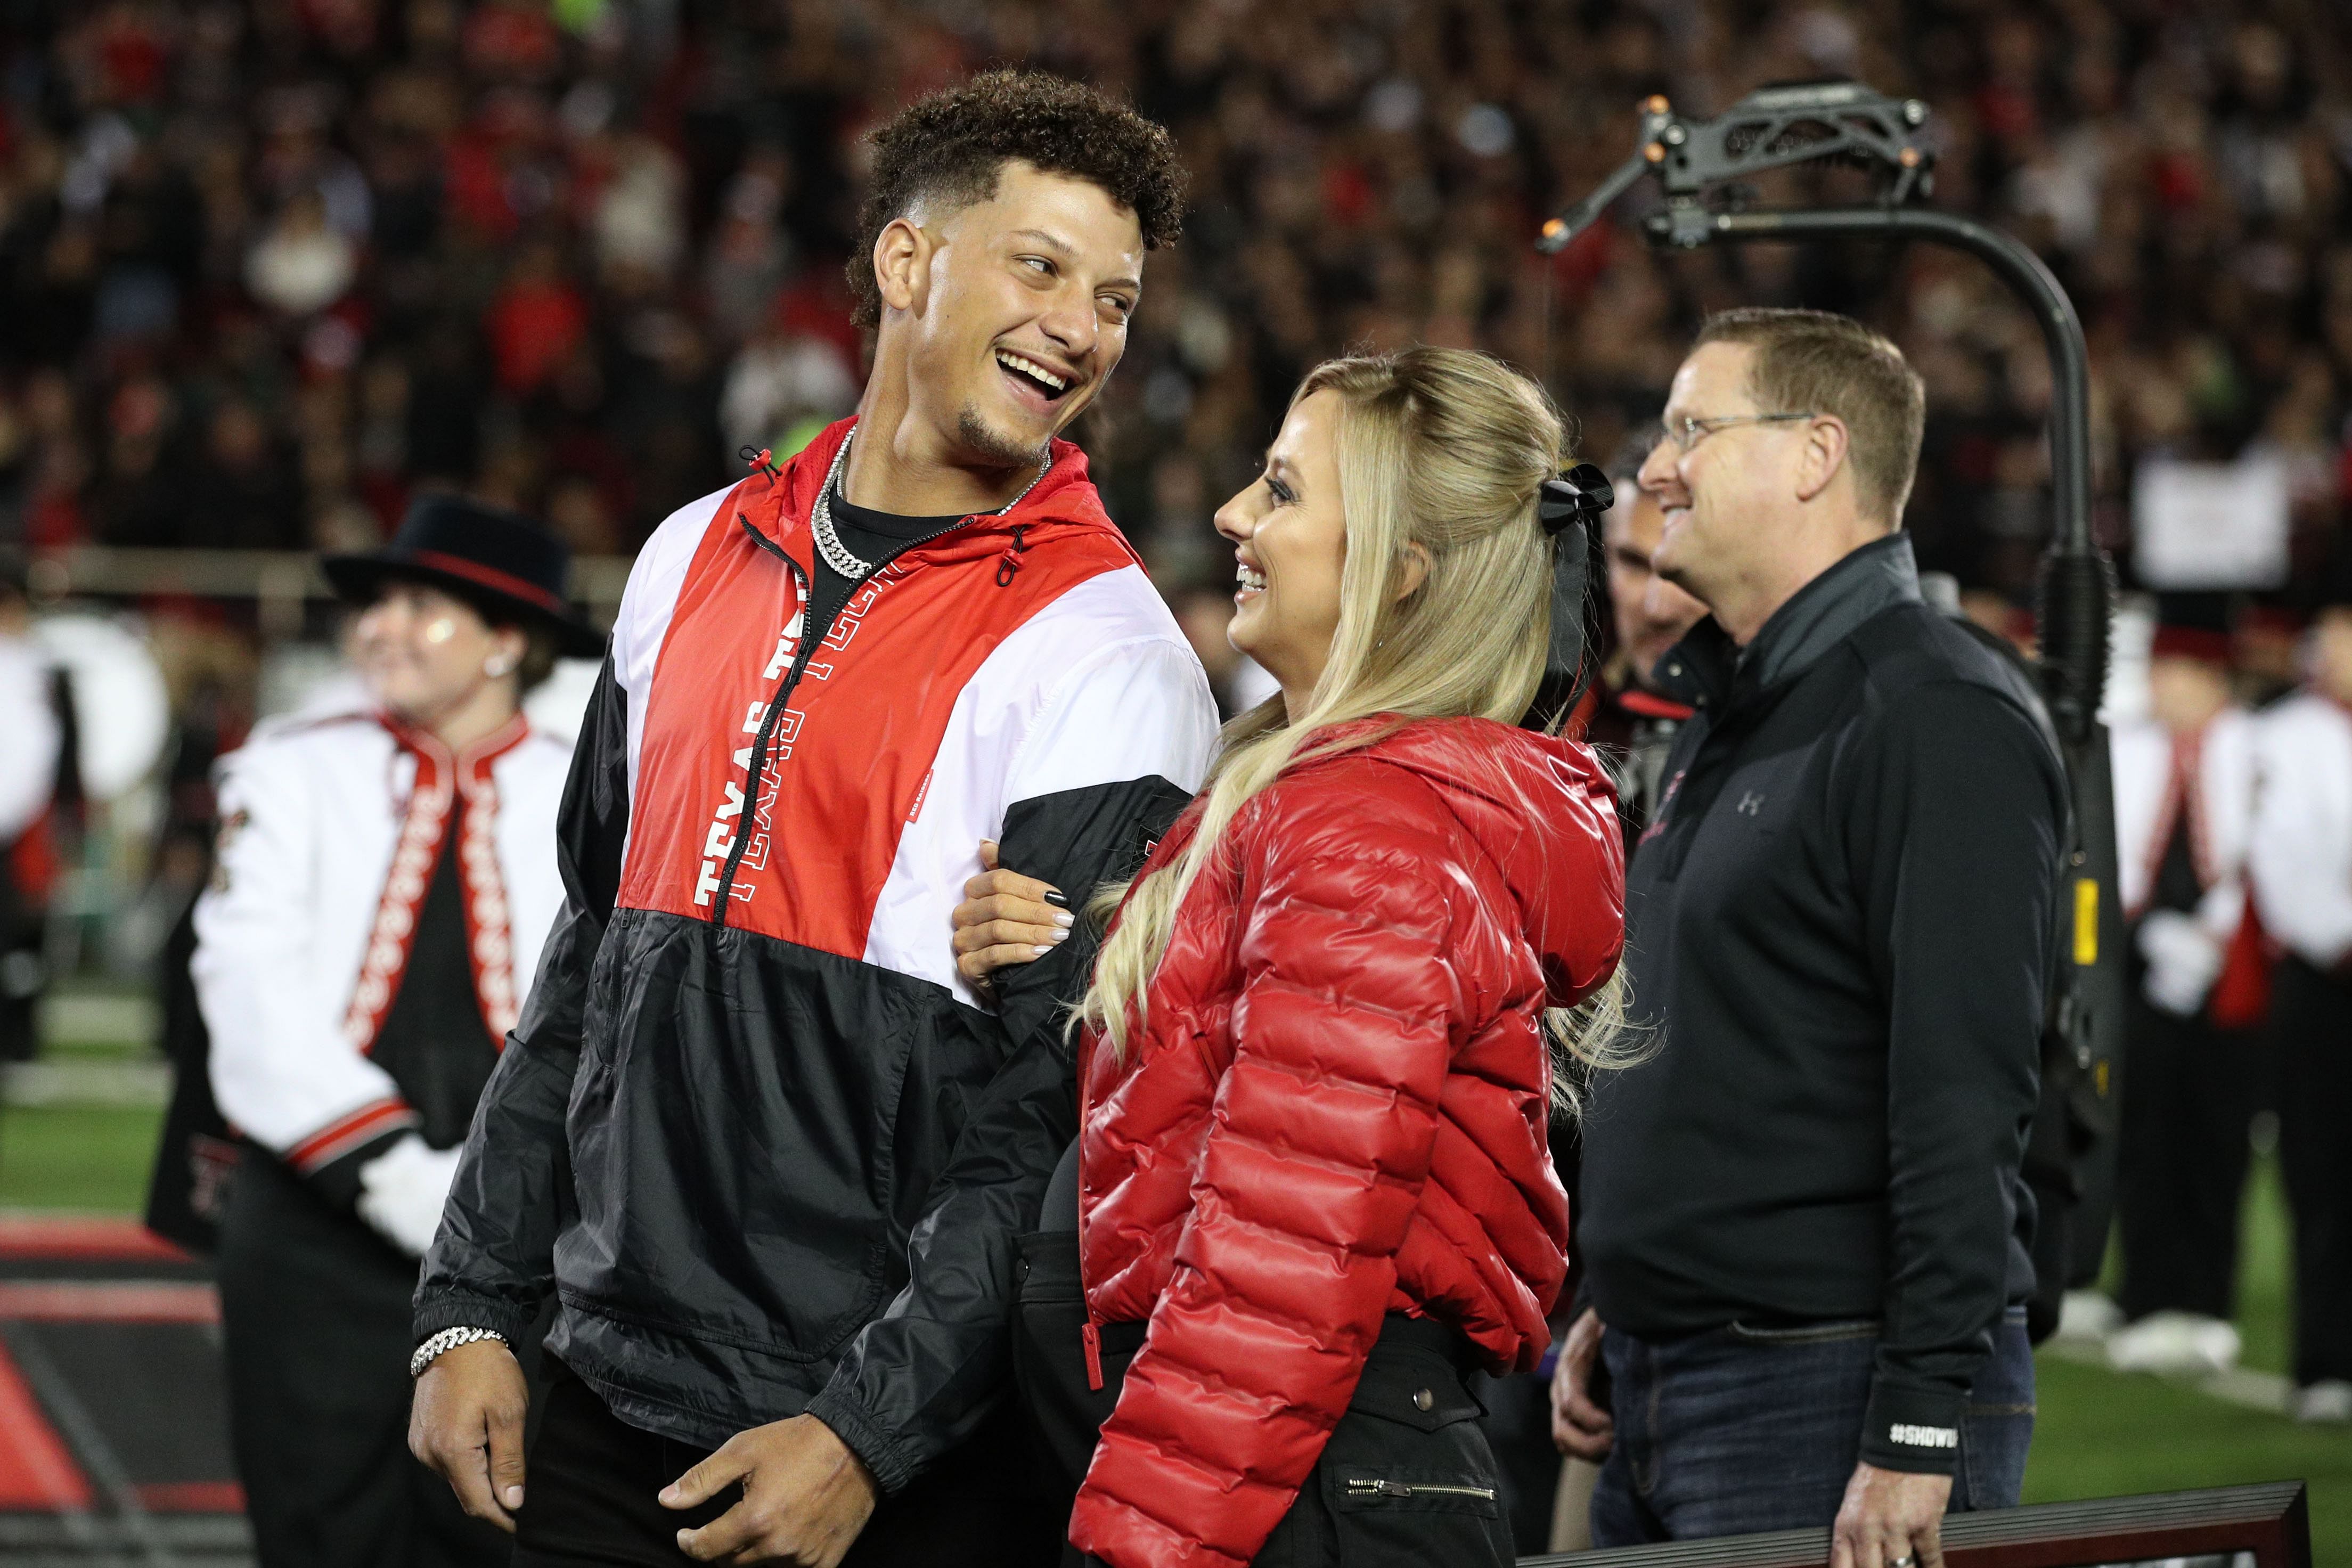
(269, 269)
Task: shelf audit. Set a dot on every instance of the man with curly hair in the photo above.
(763, 1145)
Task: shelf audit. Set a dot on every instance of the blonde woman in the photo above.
(1311, 1183)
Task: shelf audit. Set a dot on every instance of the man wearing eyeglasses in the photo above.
(1804, 1225)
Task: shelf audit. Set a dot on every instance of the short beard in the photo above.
(993, 446)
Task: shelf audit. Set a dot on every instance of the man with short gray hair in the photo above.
(1802, 1219)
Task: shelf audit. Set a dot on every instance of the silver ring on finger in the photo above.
(1902, 1561)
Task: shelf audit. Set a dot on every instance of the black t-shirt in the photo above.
(873, 537)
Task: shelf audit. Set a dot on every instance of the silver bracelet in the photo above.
(444, 1342)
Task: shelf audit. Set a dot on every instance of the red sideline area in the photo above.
(83, 1239)
(107, 1301)
(38, 1473)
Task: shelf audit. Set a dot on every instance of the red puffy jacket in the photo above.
(1335, 1110)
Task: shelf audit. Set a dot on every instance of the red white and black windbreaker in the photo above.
(330, 824)
(800, 1153)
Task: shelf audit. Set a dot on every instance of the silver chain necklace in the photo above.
(836, 554)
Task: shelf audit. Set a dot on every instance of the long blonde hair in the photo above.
(1441, 454)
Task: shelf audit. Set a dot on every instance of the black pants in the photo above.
(315, 1319)
(591, 1480)
(1406, 1477)
(2189, 1091)
(2311, 1015)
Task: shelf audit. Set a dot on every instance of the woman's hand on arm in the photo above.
(1006, 919)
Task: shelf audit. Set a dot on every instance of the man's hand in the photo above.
(1890, 1517)
(1006, 919)
(805, 1497)
(1579, 1426)
(466, 1424)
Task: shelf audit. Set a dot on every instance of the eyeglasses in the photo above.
(1691, 430)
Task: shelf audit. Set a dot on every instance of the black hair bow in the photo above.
(1569, 508)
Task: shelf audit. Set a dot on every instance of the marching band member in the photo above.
(2184, 800)
(386, 876)
(2300, 860)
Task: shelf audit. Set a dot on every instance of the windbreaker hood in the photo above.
(1544, 810)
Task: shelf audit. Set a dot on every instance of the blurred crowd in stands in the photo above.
(267, 268)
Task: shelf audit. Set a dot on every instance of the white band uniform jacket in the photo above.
(302, 936)
(2301, 851)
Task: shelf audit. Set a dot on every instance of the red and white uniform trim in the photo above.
(345, 1134)
(438, 779)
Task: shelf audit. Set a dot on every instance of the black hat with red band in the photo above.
(501, 563)
(2195, 625)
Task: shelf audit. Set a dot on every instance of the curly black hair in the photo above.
(949, 146)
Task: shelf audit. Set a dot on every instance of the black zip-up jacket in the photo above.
(751, 1129)
(1840, 921)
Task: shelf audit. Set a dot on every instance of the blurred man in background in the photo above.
(1636, 720)
(1804, 1223)
(2184, 786)
(2299, 857)
(385, 879)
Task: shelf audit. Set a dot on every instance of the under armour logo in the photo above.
(1750, 803)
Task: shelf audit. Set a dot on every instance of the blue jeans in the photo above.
(1742, 1429)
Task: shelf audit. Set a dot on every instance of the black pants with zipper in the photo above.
(1406, 1478)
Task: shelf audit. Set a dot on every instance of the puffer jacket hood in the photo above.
(1540, 806)
(1337, 1107)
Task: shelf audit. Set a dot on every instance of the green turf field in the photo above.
(91, 1158)
(94, 1157)
(2099, 1434)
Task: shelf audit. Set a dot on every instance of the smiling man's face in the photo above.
(1029, 294)
(1727, 498)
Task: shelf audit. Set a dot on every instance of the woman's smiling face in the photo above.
(1290, 544)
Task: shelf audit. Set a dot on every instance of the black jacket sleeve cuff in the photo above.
(1909, 1427)
(892, 1468)
(442, 1309)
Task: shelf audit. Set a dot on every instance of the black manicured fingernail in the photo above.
(1056, 899)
